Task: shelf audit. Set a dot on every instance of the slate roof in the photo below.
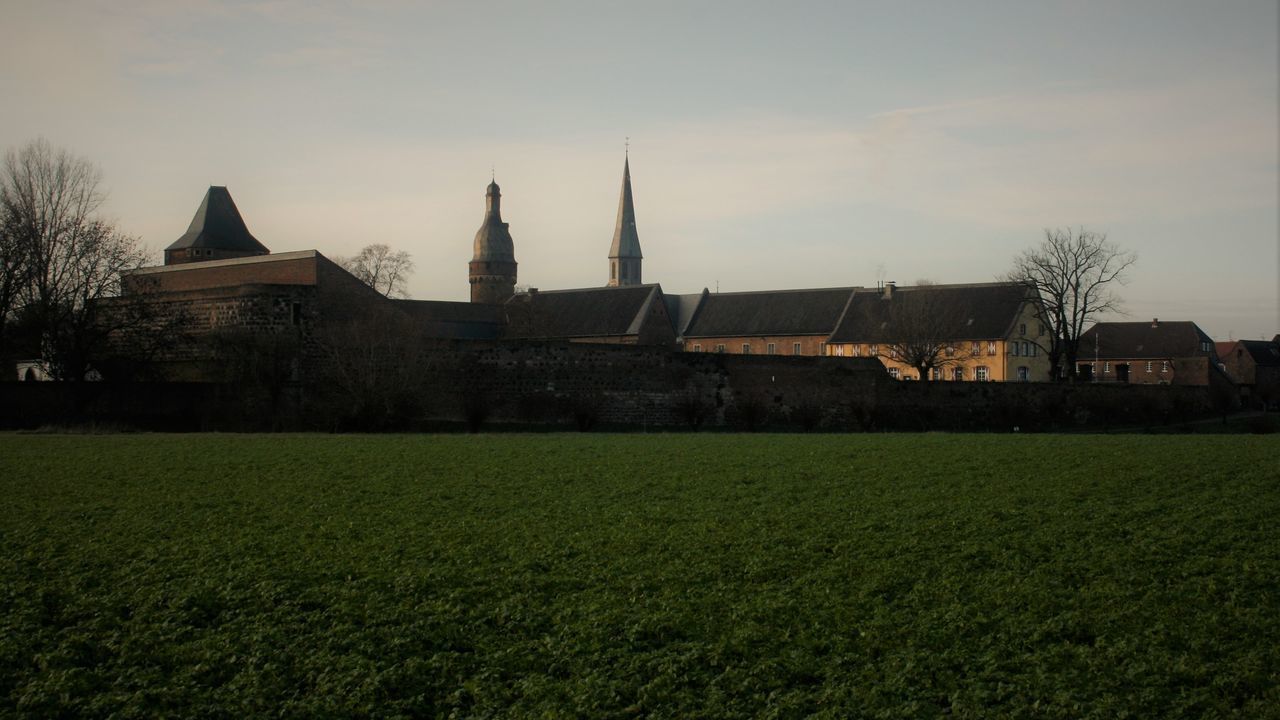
(769, 312)
(218, 225)
(681, 308)
(1140, 340)
(455, 320)
(977, 311)
(587, 312)
(626, 241)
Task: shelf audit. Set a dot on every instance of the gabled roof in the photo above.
(769, 312)
(1265, 353)
(587, 312)
(681, 309)
(218, 225)
(626, 241)
(1155, 339)
(975, 311)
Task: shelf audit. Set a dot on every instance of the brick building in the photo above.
(1149, 353)
(1254, 366)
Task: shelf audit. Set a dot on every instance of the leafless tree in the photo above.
(923, 326)
(71, 257)
(381, 268)
(13, 269)
(1074, 271)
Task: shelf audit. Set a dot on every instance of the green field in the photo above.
(640, 576)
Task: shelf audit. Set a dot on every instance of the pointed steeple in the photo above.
(624, 253)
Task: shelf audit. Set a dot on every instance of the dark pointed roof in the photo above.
(976, 311)
(493, 240)
(218, 225)
(626, 241)
(770, 312)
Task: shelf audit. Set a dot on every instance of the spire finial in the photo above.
(627, 147)
(492, 175)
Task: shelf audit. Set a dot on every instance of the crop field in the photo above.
(599, 576)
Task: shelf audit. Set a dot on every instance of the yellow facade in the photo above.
(1020, 356)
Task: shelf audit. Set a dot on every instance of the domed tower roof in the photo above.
(493, 239)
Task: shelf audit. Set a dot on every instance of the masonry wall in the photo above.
(567, 386)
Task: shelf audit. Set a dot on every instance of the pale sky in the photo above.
(772, 145)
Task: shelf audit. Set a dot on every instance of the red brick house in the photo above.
(1147, 353)
(1254, 366)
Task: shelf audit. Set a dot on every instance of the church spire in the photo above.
(624, 254)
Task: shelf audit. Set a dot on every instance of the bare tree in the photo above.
(1074, 272)
(381, 268)
(13, 269)
(71, 257)
(923, 326)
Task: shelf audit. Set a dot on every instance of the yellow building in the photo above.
(986, 332)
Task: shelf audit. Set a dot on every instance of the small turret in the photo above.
(492, 269)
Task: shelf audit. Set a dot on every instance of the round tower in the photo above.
(492, 268)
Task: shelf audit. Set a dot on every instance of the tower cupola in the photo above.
(492, 270)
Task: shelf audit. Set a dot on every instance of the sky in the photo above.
(772, 145)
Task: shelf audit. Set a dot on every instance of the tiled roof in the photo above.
(1155, 339)
(963, 312)
(1265, 353)
(217, 224)
(769, 312)
(588, 312)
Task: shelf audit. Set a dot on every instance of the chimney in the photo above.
(888, 289)
(1155, 322)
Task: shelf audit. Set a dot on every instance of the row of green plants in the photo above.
(594, 575)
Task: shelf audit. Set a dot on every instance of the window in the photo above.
(893, 351)
(720, 348)
(1024, 373)
(1035, 349)
(770, 349)
(991, 347)
(975, 348)
(1041, 333)
(697, 347)
(822, 348)
(795, 348)
(1148, 366)
(839, 351)
(613, 271)
(895, 373)
(1164, 366)
(1022, 329)
(935, 373)
(1106, 367)
(980, 374)
(1204, 347)
(875, 351)
(1026, 349)
(957, 374)
(746, 348)
(1013, 349)
(857, 350)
